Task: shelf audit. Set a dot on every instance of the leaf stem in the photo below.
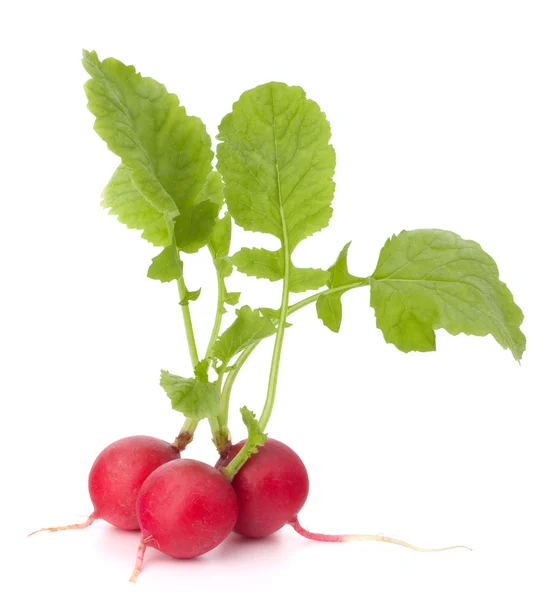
(343, 288)
(230, 380)
(235, 465)
(186, 433)
(226, 392)
(182, 296)
(185, 436)
(219, 310)
(187, 322)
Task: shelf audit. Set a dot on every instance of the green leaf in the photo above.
(277, 163)
(431, 279)
(224, 266)
(213, 190)
(249, 327)
(190, 297)
(232, 298)
(167, 152)
(273, 315)
(193, 398)
(220, 238)
(302, 280)
(131, 208)
(266, 264)
(166, 266)
(201, 370)
(258, 262)
(255, 437)
(329, 307)
(255, 440)
(194, 228)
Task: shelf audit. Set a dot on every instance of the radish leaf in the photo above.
(277, 163)
(193, 398)
(190, 296)
(249, 327)
(166, 266)
(131, 208)
(430, 279)
(256, 438)
(232, 298)
(166, 152)
(267, 264)
(329, 307)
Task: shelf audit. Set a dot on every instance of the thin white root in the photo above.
(83, 525)
(326, 537)
(139, 561)
(390, 540)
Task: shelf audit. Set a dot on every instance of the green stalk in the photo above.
(187, 432)
(240, 459)
(220, 436)
(220, 432)
(188, 322)
(342, 288)
(219, 311)
(230, 380)
(226, 393)
(182, 295)
(278, 345)
(185, 436)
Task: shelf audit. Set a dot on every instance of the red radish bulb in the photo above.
(116, 477)
(271, 488)
(185, 508)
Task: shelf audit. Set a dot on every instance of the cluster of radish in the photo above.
(274, 176)
(185, 507)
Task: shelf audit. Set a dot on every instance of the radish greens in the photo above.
(273, 174)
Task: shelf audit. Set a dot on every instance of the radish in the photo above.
(272, 487)
(185, 508)
(274, 176)
(116, 477)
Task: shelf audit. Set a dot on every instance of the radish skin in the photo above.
(117, 475)
(271, 487)
(185, 508)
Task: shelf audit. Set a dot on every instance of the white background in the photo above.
(443, 115)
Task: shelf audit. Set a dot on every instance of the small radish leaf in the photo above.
(232, 298)
(304, 279)
(329, 306)
(249, 327)
(272, 314)
(166, 266)
(220, 239)
(190, 297)
(212, 191)
(266, 264)
(261, 263)
(193, 398)
(430, 279)
(131, 208)
(201, 370)
(255, 438)
(194, 228)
